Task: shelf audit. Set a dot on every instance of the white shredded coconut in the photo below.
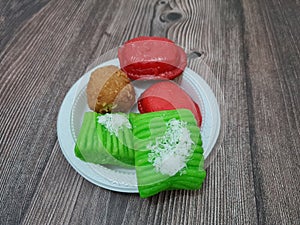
(114, 122)
(170, 152)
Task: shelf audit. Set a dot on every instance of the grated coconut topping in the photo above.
(170, 153)
(114, 122)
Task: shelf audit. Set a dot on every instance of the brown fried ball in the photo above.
(109, 90)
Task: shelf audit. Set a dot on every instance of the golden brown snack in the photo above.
(109, 90)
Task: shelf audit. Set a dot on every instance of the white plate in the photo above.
(115, 178)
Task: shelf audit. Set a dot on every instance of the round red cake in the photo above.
(152, 58)
(167, 95)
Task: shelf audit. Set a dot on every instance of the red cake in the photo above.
(167, 95)
(152, 58)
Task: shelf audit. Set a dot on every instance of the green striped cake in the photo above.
(105, 139)
(168, 151)
(165, 147)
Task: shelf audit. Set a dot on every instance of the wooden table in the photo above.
(253, 50)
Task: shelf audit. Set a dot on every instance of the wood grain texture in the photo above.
(273, 84)
(251, 48)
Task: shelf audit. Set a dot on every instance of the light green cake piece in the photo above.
(168, 151)
(105, 139)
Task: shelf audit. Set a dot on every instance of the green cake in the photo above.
(165, 147)
(168, 151)
(105, 139)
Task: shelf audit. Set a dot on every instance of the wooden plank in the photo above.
(36, 74)
(272, 43)
(58, 195)
(53, 194)
(253, 178)
(13, 15)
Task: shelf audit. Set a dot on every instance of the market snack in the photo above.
(168, 151)
(110, 90)
(105, 139)
(152, 58)
(165, 147)
(167, 95)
